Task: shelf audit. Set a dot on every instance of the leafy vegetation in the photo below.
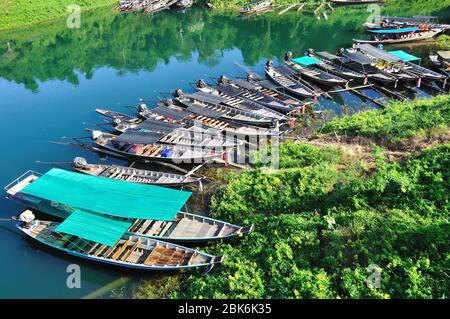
(420, 118)
(317, 229)
(324, 221)
(23, 13)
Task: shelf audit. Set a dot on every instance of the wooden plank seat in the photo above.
(95, 245)
(132, 250)
(99, 250)
(121, 249)
(110, 250)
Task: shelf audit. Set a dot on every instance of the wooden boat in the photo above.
(291, 85)
(441, 61)
(232, 97)
(305, 67)
(176, 134)
(153, 6)
(211, 106)
(358, 62)
(255, 7)
(420, 21)
(388, 63)
(129, 251)
(350, 2)
(232, 129)
(114, 115)
(183, 4)
(177, 226)
(408, 65)
(267, 95)
(332, 64)
(133, 175)
(127, 145)
(401, 35)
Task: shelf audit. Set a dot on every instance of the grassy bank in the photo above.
(25, 13)
(327, 215)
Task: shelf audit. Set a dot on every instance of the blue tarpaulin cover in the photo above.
(402, 30)
(404, 56)
(305, 60)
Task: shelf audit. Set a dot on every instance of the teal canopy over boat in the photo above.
(402, 30)
(404, 56)
(306, 60)
(108, 196)
(100, 229)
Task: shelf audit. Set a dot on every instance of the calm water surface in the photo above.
(52, 78)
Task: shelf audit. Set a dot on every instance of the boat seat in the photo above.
(99, 250)
(131, 250)
(121, 249)
(110, 250)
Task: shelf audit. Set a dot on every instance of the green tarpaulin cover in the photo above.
(404, 56)
(108, 196)
(102, 229)
(305, 60)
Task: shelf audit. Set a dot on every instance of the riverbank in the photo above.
(19, 14)
(339, 204)
(23, 13)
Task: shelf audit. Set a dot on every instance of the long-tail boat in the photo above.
(288, 83)
(401, 35)
(255, 7)
(350, 2)
(212, 106)
(104, 240)
(358, 62)
(264, 92)
(146, 146)
(305, 66)
(149, 211)
(414, 68)
(388, 63)
(193, 116)
(175, 133)
(333, 64)
(134, 175)
(441, 61)
(233, 97)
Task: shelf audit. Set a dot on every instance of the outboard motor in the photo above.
(178, 93)
(341, 51)
(142, 107)
(168, 102)
(201, 84)
(79, 162)
(27, 217)
(288, 56)
(269, 64)
(222, 79)
(310, 52)
(96, 135)
(117, 121)
(249, 77)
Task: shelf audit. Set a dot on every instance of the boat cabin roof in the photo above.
(306, 60)
(378, 53)
(404, 56)
(171, 113)
(395, 31)
(328, 55)
(444, 54)
(107, 196)
(358, 57)
(139, 136)
(95, 227)
(160, 126)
